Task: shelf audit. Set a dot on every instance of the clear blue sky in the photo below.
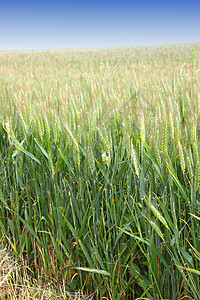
(71, 24)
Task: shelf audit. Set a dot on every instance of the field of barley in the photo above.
(100, 169)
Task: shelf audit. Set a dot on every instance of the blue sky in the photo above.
(71, 24)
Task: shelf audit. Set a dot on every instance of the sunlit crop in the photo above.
(100, 169)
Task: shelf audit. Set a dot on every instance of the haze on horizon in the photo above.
(63, 24)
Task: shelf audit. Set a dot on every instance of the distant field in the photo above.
(100, 168)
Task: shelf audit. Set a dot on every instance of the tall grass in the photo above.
(99, 174)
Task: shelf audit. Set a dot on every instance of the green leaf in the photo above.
(41, 149)
(121, 172)
(193, 271)
(30, 229)
(102, 171)
(177, 182)
(151, 245)
(102, 272)
(3, 200)
(152, 157)
(66, 161)
(196, 217)
(75, 233)
(186, 255)
(19, 147)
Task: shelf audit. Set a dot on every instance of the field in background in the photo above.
(100, 168)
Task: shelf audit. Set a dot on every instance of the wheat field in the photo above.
(100, 169)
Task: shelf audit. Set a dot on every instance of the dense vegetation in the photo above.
(100, 168)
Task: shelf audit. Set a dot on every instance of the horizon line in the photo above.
(99, 47)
